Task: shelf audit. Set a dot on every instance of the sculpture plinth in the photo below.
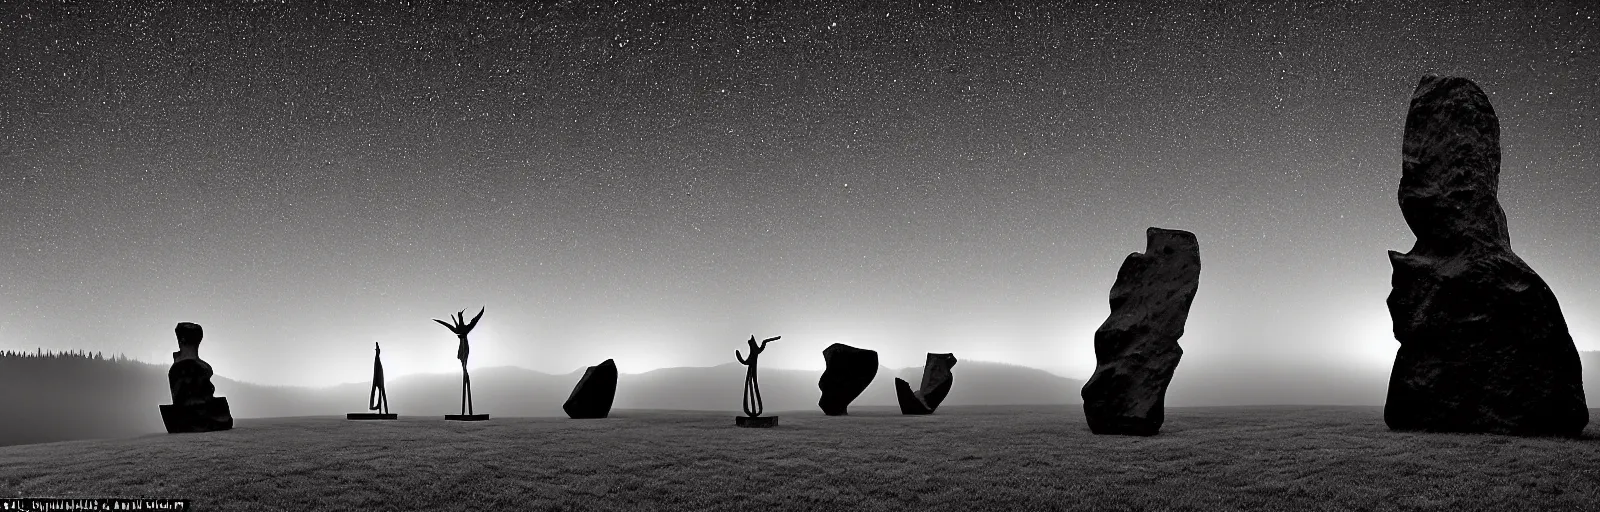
(756, 422)
(466, 417)
(371, 416)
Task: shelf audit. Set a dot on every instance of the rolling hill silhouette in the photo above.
(58, 399)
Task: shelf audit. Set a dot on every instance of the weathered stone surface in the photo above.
(849, 371)
(593, 395)
(936, 382)
(193, 408)
(1483, 344)
(1136, 349)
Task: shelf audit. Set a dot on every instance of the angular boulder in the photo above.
(1483, 344)
(936, 382)
(593, 395)
(1136, 349)
(849, 371)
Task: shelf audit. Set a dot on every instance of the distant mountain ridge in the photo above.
(48, 400)
(59, 399)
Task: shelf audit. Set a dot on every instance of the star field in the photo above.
(655, 181)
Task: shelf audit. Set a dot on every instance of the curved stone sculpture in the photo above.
(1136, 349)
(193, 407)
(1483, 344)
(593, 395)
(849, 371)
(752, 404)
(936, 382)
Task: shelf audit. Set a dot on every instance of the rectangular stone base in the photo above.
(371, 416)
(466, 417)
(211, 416)
(756, 422)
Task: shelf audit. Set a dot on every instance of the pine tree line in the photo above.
(41, 353)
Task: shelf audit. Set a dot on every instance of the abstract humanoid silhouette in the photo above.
(193, 408)
(461, 328)
(378, 399)
(752, 384)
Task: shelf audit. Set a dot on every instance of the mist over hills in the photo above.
(49, 400)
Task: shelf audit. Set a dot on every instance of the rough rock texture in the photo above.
(936, 382)
(1483, 345)
(193, 408)
(1136, 349)
(592, 397)
(849, 371)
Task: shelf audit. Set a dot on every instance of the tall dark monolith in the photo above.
(593, 395)
(1136, 350)
(193, 408)
(936, 383)
(849, 371)
(1483, 344)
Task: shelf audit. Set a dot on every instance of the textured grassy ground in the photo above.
(992, 458)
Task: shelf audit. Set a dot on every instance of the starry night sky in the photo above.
(656, 181)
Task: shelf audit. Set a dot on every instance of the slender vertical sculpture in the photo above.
(752, 387)
(378, 398)
(461, 328)
(1136, 350)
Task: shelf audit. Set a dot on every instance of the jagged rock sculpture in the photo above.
(193, 407)
(461, 328)
(849, 371)
(936, 382)
(752, 388)
(1483, 344)
(378, 397)
(1136, 349)
(593, 395)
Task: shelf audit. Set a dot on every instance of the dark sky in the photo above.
(655, 182)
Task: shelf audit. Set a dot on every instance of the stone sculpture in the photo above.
(849, 371)
(936, 382)
(193, 407)
(593, 395)
(1136, 349)
(1483, 344)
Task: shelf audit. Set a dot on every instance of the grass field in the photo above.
(963, 458)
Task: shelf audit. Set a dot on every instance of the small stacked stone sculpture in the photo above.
(936, 382)
(461, 327)
(378, 398)
(752, 388)
(592, 397)
(193, 407)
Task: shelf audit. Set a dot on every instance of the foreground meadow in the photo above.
(963, 458)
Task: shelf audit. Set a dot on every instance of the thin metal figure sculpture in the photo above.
(752, 385)
(461, 329)
(378, 399)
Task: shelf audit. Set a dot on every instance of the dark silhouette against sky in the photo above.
(652, 183)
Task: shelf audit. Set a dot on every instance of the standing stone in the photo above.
(1136, 349)
(936, 382)
(849, 371)
(592, 397)
(193, 407)
(1483, 344)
